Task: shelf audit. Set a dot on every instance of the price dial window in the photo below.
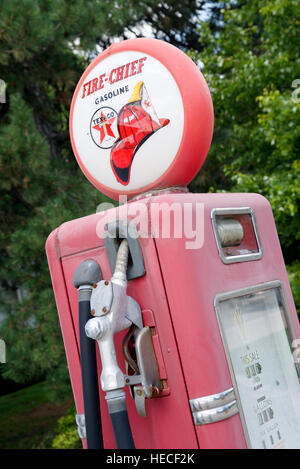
(257, 337)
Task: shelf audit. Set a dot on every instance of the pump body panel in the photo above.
(187, 270)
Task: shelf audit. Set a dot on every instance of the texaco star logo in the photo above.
(103, 127)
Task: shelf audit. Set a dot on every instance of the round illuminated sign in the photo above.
(141, 118)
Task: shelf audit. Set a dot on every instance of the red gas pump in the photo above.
(175, 308)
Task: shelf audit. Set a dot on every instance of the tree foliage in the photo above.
(44, 48)
(251, 68)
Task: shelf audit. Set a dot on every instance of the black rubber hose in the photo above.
(90, 387)
(122, 430)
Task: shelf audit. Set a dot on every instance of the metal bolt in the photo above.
(139, 392)
(95, 285)
(104, 309)
(93, 312)
(106, 282)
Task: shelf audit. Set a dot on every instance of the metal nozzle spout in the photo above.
(120, 275)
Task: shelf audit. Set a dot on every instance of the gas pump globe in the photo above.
(175, 308)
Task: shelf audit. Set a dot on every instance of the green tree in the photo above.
(45, 45)
(252, 68)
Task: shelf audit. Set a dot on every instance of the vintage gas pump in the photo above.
(175, 308)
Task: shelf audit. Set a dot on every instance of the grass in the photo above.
(28, 419)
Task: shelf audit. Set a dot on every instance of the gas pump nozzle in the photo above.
(114, 311)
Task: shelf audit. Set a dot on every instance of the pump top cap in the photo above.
(141, 118)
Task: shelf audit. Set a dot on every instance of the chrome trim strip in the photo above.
(213, 401)
(213, 408)
(215, 415)
(236, 211)
(248, 291)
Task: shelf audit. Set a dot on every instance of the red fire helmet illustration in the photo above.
(137, 121)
